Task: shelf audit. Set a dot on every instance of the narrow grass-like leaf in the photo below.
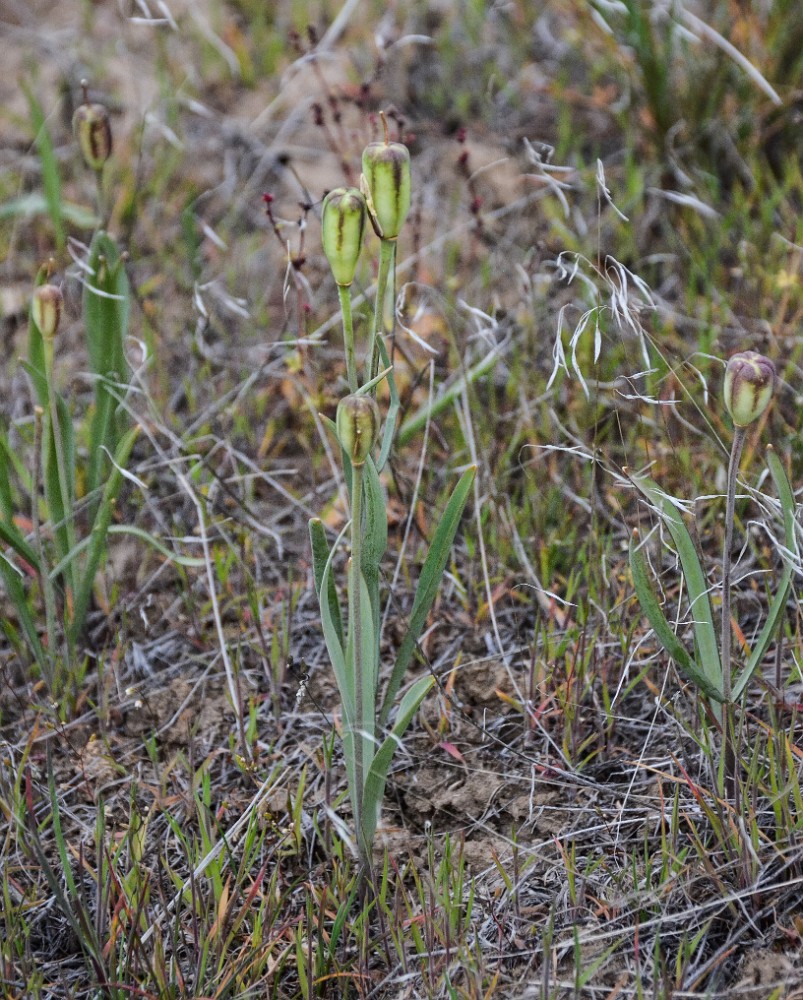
(105, 307)
(660, 625)
(16, 593)
(705, 633)
(334, 646)
(778, 605)
(320, 556)
(375, 538)
(11, 535)
(59, 496)
(378, 772)
(98, 536)
(51, 181)
(428, 584)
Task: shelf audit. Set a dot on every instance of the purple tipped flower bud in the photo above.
(94, 133)
(749, 386)
(46, 310)
(342, 226)
(357, 426)
(386, 184)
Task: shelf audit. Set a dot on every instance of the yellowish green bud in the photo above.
(385, 182)
(749, 386)
(46, 310)
(357, 426)
(93, 131)
(343, 226)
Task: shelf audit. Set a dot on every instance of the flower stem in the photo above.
(728, 721)
(730, 503)
(355, 631)
(387, 255)
(344, 291)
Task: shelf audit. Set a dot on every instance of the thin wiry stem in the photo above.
(344, 292)
(387, 256)
(356, 643)
(728, 721)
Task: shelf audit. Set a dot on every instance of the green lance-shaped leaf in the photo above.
(106, 306)
(320, 556)
(428, 584)
(378, 772)
(15, 589)
(99, 535)
(334, 644)
(370, 672)
(60, 497)
(375, 537)
(705, 633)
(778, 605)
(662, 628)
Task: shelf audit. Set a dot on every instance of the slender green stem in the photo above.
(387, 255)
(44, 576)
(101, 199)
(344, 291)
(356, 643)
(728, 719)
(61, 466)
(730, 503)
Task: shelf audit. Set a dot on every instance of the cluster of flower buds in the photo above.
(93, 131)
(384, 196)
(357, 425)
(748, 387)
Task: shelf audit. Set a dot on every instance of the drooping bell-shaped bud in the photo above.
(386, 184)
(46, 309)
(93, 132)
(342, 227)
(357, 426)
(749, 386)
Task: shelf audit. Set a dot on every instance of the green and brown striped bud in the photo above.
(46, 310)
(342, 227)
(93, 132)
(357, 426)
(386, 184)
(749, 386)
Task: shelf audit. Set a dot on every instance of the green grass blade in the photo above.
(428, 584)
(778, 605)
(99, 534)
(378, 772)
(51, 181)
(15, 591)
(375, 538)
(334, 645)
(660, 625)
(105, 307)
(320, 556)
(705, 633)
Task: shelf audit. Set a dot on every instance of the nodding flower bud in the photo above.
(342, 226)
(46, 310)
(93, 131)
(385, 182)
(749, 386)
(357, 426)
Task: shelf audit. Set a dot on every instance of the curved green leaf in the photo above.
(662, 628)
(428, 584)
(705, 633)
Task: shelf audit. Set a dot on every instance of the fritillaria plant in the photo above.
(749, 386)
(373, 726)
